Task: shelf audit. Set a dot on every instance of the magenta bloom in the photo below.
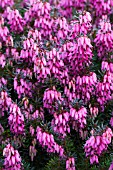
(16, 120)
(12, 158)
(96, 145)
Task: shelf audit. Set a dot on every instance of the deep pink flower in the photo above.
(70, 164)
(12, 158)
(16, 120)
(47, 140)
(96, 145)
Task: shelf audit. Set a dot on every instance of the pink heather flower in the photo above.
(2, 60)
(83, 133)
(67, 8)
(9, 41)
(3, 82)
(1, 129)
(1, 132)
(78, 118)
(81, 25)
(12, 158)
(61, 28)
(96, 145)
(32, 130)
(3, 31)
(85, 22)
(28, 110)
(35, 34)
(37, 10)
(1, 21)
(104, 89)
(22, 87)
(93, 159)
(6, 3)
(32, 152)
(80, 4)
(13, 53)
(45, 25)
(107, 66)
(30, 2)
(16, 120)
(30, 51)
(85, 85)
(111, 166)
(37, 115)
(5, 102)
(111, 121)
(83, 54)
(52, 97)
(47, 140)
(79, 55)
(15, 20)
(108, 134)
(41, 69)
(70, 95)
(84, 43)
(93, 110)
(104, 38)
(56, 66)
(70, 164)
(40, 114)
(102, 7)
(55, 48)
(60, 123)
(26, 72)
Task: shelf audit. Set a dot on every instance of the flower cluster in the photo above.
(104, 38)
(60, 123)
(93, 110)
(29, 51)
(2, 60)
(78, 118)
(5, 102)
(22, 87)
(102, 7)
(12, 158)
(15, 20)
(46, 139)
(4, 31)
(16, 120)
(70, 164)
(1, 132)
(6, 3)
(111, 121)
(95, 145)
(52, 97)
(3, 82)
(56, 82)
(40, 68)
(85, 86)
(83, 54)
(107, 66)
(104, 89)
(40, 11)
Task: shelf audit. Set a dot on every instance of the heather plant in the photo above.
(56, 85)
